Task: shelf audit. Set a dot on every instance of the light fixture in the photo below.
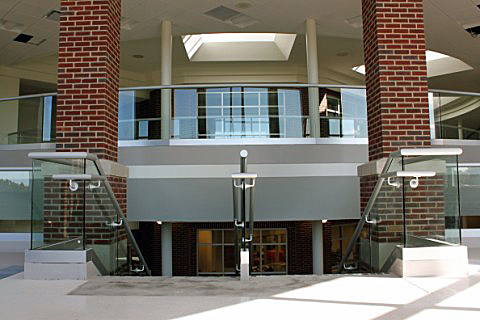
(324, 221)
(159, 222)
(138, 56)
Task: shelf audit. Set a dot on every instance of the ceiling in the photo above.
(338, 40)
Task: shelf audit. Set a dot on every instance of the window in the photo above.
(215, 252)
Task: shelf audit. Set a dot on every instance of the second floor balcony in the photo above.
(240, 114)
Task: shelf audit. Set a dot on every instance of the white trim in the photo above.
(431, 152)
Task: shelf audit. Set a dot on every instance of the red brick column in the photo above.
(88, 77)
(397, 108)
(396, 75)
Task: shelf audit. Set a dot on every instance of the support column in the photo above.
(317, 247)
(167, 268)
(397, 97)
(312, 73)
(396, 75)
(166, 72)
(88, 77)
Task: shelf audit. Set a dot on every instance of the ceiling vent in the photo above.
(231, 16)
(473, 30)
(53, 15)
(23, 37)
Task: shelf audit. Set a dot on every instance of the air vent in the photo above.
(474, 31)
(222, 13)
(53, 15)
(22, 37)
(231, 16)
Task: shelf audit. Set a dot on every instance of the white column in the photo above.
(312, 73)
(167, 267)
(317, 247)
(460, 129)
(166, 76)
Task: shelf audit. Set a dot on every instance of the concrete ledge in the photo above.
(58, 265)
(450, 261)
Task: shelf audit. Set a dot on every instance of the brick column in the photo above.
(88, 77)
(396, 75)
(87, 113)
(397, 108)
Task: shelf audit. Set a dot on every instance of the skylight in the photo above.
(437, 64)
(238, 46)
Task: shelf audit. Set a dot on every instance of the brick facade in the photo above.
(88, 77)
(396, 75)
(299, 242)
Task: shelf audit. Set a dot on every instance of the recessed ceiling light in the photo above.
(138, 56)
(53, 15)
(243, 5)
(342, 54)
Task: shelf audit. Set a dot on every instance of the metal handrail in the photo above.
(124, 220)
(49, 156)
(366, 212)
(39, 95)
(245, 85)
(420, 154)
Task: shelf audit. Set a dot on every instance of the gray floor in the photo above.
(275, 297)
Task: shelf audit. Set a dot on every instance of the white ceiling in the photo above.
(443, 19)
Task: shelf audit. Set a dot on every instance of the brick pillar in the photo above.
(87, 112)
(396, 75)
(88, 77)
(398, 113)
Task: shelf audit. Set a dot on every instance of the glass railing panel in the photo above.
(343, 112)
(432, 205)
(469, 177)
(139, 114)
(27, 120)
(360, 258)
(101, 225)
(15, 201)
(239, 112)
(456, 116)
(386, 220)
(58, 207)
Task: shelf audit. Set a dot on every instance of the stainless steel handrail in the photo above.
(245, 85)
(119, 210)
(39, 95)
(49, 156)
(366, 212)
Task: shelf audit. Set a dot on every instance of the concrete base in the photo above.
(58, 265)
(244, 265)
(450, 261)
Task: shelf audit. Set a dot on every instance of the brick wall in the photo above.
(299, 237)
(88, 77)
(396, 75)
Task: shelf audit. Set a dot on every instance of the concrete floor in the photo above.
(275, 297)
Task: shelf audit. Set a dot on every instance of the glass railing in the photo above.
(415, 203)
(239, 111)
(242, 111)
(456, 114)
(74, 208)
(27, 119)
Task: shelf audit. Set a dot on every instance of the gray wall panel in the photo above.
(165, 155)
(299, 198)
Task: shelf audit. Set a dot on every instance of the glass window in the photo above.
(216, 253)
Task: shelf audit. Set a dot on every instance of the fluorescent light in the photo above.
(432, 55)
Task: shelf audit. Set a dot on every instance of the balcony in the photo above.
(240, 114)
